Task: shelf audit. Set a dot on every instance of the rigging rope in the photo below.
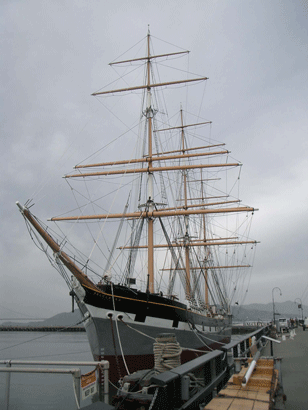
(179, 265)
(117, 237)
(133, 252)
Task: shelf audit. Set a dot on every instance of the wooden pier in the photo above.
(260, 393)
(292, 353)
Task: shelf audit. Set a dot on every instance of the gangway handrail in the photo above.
(103, 363)
(75, 372)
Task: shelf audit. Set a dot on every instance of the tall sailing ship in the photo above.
(172, 254)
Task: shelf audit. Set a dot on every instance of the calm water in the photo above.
(43, 391)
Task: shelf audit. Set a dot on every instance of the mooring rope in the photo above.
(115, 349)
(138, 331)
(153, 338)
(119, 339)
(167, 352)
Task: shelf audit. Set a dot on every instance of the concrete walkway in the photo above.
(294, 367)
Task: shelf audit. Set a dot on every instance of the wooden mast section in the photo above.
(211, 267)
(180, 245)
(147, 159)
(143, 87)
(149, 57)
(186, 217)
(150, 202)
(59, 253)
(151, 169)
(149, 113)
(155, 214)
(206, 276)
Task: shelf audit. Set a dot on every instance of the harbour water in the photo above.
(43, 391)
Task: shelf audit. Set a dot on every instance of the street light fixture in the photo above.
(300, 306)
(274, 302)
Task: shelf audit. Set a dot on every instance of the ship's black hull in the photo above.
(143, 305)
(122, 326)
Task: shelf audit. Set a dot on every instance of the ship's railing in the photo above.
(210, 371)
(101, 381)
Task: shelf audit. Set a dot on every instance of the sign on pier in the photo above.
(88, 383)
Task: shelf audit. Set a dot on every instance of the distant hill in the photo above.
(61, 319)
(259, 311)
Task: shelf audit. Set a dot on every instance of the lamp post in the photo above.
(300, 306)
(276, 287)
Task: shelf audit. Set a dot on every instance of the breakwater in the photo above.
(41, 329)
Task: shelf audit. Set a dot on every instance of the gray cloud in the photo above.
(55, 54)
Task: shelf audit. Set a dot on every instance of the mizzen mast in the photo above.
(206, 276)
(186, 217)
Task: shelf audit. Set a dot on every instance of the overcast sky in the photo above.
(54, 54)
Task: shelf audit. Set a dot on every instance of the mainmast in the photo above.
(150, 203)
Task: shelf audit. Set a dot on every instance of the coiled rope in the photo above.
(167, 352)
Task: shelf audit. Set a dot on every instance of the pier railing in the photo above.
(196, 382)
(81, 386)
(185, 387)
